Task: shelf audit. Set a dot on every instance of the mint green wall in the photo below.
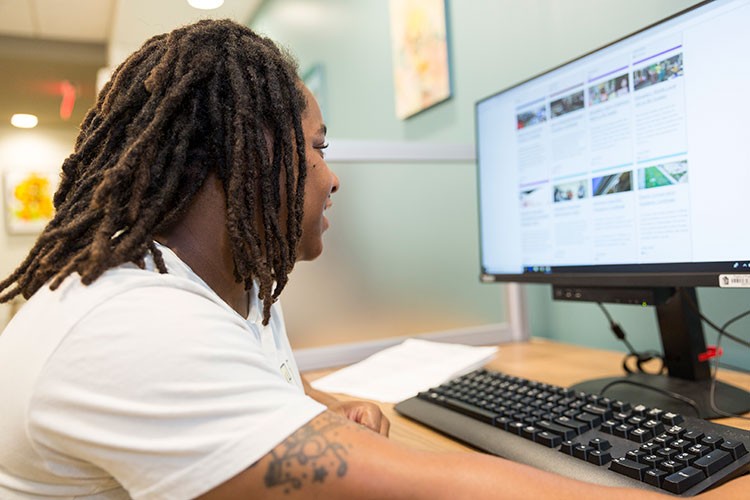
(408, 232)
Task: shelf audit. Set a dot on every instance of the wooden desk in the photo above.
(540, 360)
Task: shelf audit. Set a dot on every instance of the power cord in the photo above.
(671, 394)
(640, 357)
(713, 325)
(715, 368)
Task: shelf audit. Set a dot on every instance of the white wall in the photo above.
(26, 149)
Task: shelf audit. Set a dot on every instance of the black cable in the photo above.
(710, 323)
(671, 394)
(640, 357)
(714, 373)
(722, 333)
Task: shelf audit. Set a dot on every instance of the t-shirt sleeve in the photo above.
(167, 391)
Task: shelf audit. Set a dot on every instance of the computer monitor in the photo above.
(624, 176)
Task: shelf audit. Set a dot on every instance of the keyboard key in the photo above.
(548, 439)
(429, 395)
(605, 402)
(736, 448)
(694, 436)
(698, 450)
(566, 401)
(640, 435)
(636, 455)
(654, 426)
(581, 451)
(636, 420)
(568, 413)
(471, 410)
(713, 462)
(577, 403)
(567, 447)
(577, 426)
(593, 398)
(655, 413)
(565, 432)
(622, 416)
(600, 444)
(608, 426)
(650, 447)
(630, 468)
(670, 418)
(676, 431)
(554, 399)
(655, 477)
(671, 466)
(667, 452)
(502, 422)
(621, 406)
(567, 392)
(681, 481)
(664, 439)
(684, 458)
(680, 444)
(604, 413)
(530, 432)
(640, 410)
(599, 457)
(518, 416)
(652, 460)
(622, 430)
(712, 441)
(592, 420)
(515, 427)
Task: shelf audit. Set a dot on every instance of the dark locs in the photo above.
(211, 96)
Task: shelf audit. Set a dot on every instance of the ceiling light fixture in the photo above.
(206, 4)
(22, 120)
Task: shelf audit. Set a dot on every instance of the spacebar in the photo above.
(470, 410)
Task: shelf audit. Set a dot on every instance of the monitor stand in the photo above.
(687, 378)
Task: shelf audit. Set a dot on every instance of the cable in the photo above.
(722, 333)
(710, 323)
(640, 357)
(671, 394)
(714, 373)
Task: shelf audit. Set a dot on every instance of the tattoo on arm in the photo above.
(315, 447)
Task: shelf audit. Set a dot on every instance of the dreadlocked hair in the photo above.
(211, 96)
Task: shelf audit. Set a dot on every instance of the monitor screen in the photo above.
(628, 166)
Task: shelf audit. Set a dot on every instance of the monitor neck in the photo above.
(682, 336)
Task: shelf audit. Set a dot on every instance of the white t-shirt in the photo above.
(141, 384)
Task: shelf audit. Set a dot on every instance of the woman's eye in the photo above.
(321, 148)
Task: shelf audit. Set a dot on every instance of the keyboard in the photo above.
(583, 436)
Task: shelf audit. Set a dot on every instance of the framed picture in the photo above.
(419, 42)
(27, 199)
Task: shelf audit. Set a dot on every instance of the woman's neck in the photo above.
(200, 239)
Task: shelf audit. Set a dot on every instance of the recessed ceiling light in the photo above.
(22, 120)
(205, 4)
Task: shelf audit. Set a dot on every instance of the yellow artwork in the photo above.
(421, 70)
(28, 200)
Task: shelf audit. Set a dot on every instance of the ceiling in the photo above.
(46, 43)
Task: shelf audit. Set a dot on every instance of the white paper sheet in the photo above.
(400, 372)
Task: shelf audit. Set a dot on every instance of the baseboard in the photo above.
(343, 354)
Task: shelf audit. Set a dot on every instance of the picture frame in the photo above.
(28, 199)
(420, 50)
